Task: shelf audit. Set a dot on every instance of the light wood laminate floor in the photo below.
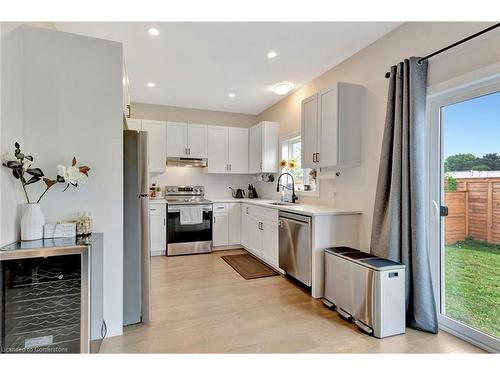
(201, 305)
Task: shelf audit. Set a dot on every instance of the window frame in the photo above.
(288, 139)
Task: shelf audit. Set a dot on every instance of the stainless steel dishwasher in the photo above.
(295, 246)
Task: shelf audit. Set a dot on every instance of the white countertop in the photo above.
(299, 208)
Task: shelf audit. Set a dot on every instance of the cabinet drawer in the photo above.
(158, 209)
(220, 208)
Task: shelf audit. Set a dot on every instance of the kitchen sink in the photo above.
(281, 204)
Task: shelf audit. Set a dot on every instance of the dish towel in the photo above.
(191, 215)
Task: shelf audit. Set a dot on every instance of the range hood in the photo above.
(187, 162)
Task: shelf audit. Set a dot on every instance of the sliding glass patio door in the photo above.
(464, 210)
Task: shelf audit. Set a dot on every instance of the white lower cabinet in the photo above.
(234, 223)
(226, 229)
(259, 233)
(220, 230)
(255, 228)
(270, 242)
(158, 228)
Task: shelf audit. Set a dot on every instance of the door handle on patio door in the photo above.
(436, 207)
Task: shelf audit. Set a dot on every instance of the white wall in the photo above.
(356, 186)
(66, 96)
(11, 197)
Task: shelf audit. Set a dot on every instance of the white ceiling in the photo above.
(196, 64)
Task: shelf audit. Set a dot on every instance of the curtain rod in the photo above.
(388, 74)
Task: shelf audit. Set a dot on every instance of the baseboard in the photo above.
(158, 253)
(227, 247)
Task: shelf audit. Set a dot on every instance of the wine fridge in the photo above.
(42, 305)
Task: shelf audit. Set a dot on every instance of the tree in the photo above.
(459, 162)
(492, 161)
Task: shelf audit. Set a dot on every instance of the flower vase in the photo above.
(32, 222)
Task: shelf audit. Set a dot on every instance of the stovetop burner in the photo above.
(185, 195)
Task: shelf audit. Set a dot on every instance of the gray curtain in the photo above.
(399, 226)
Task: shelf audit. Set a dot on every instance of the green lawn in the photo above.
(472, 286)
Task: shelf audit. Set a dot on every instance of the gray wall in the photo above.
(64, 95)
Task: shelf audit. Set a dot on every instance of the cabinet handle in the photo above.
(230, 168)
(260, 166)
(317, 157)
(189, 151)
(247, 210)
(314, 158)
(164, 221)
(215, 219)
(152, 209)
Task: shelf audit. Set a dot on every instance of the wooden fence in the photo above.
(473, 210)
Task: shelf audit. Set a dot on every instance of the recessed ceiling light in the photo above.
(232, 95)
(151, 84)
(272, 54)
(282, 88)
(153, 32)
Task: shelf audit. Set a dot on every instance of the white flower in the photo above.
(71, 175)
(81, 178)
(61, 171)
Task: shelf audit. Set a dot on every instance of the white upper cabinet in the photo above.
(156, 145)
(196, 141)
(176, 139)
(227, 150)
(157, 148)
(331, 127)
(255, 144)
(264, 148)
(237, 150)
(217, 149)
(309, 131)
(186, 140)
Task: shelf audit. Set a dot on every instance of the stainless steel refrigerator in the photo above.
(136, 245)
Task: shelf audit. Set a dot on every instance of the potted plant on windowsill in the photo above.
(33, 220)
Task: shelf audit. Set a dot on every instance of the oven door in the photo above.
(188, 239)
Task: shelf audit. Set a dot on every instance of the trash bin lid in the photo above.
(380, 263)
(341, 250)
(358, 255)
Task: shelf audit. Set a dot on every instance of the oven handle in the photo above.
(177, 208)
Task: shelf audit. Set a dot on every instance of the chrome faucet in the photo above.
(294, 197)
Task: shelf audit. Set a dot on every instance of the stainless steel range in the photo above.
(189, 220)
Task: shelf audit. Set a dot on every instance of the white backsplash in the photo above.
(216, 185)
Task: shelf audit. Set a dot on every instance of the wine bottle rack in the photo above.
(42, 305)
